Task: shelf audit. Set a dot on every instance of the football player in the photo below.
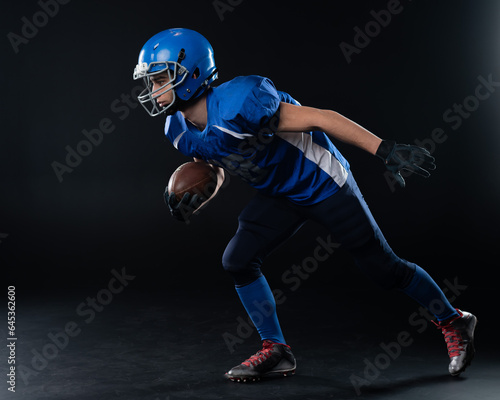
(249, 128)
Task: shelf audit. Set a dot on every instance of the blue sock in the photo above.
(259, 302)
(425, 291)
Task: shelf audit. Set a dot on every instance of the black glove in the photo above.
(398, 157)
(183, 209)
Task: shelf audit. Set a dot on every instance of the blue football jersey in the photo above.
(242, 138)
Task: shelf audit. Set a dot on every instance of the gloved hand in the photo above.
(183, 209)
(398, 157)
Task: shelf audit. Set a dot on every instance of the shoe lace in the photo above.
(453, 339)
(261, 355)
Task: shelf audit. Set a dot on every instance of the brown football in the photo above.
(194, 177)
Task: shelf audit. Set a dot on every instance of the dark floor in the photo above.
(166, 346)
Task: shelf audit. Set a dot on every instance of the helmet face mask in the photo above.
(147, 98)
(187, 57)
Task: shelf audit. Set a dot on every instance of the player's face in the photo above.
(162, 98)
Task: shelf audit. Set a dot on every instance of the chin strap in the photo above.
(202, 87)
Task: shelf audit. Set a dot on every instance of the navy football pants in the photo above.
(267, 222)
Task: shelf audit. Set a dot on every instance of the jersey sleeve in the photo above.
(254, 106)
(176, 131)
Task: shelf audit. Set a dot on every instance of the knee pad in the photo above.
(242, 271)
(386, 268)
(403, 274)
(396, 275)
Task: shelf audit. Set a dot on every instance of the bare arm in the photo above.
(221, 177)
(302, 119)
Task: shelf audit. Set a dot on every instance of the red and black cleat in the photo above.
(459, 336)
(275, 359)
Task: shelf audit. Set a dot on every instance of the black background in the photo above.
(108, 213)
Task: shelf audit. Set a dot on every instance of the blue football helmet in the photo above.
(188, 59)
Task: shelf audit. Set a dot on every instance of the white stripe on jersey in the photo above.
(177, 138)
(235, 134)
(317, 154)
